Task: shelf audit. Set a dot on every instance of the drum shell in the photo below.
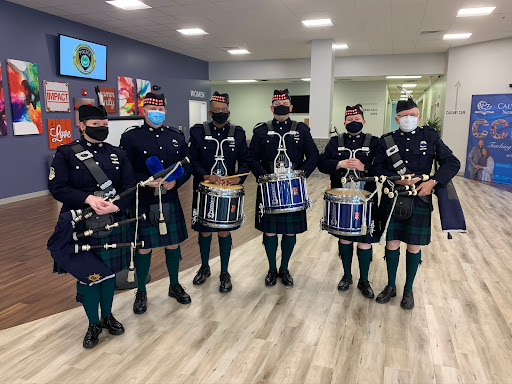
(219, 208)
(282, 193)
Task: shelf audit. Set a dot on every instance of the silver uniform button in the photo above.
(145, 152)
(95, 151)
(100, 145)
(117, 167)
(424, 153)
(161, 161)
(157, 135)
(406, 161)
(408, 138)
(161, 148)
(407, 150)
(77, 167)
(97, 163)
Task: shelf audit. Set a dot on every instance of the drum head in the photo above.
(348, 192)
(216, 186)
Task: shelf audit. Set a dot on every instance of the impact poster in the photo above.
(489, 152)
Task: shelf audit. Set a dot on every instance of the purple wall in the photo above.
(30, 35)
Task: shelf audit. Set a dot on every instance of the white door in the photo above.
(196, 112)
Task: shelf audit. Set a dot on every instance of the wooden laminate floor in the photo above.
(459, 331)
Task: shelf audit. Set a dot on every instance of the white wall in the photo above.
(250, 103)
(481, 69)
(345, 66)
(433, 101)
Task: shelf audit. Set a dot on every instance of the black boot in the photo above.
(92, 336)
(271, 278)
(366, 289)
(225, 282)
(114, 327)
(407, 300)
(286, 278)
(201, 275)
(344, 283)
(179, 294)
(386, 295)
(140, 305)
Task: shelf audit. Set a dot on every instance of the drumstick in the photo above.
(233, 176)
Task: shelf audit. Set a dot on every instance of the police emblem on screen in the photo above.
(84, 59)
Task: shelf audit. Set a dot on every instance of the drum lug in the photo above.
(310, 203)
(243, 218)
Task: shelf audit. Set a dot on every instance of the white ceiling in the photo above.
(272, 29)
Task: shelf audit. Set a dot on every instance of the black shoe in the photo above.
(201, 275)
(225, 282)
(344, 283)
(286, 278)
(114, 327)
(366, 289)
(386, 295)
(92, 336)
(140, 305)
(271, 278)
(179, 294)
(407, 300)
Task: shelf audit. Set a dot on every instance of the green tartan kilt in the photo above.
(176, 228)
(281, 223)
(415, 230)
(115, 259)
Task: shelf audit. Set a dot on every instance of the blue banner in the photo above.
(489, 153)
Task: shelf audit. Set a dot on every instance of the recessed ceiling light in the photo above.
(239, 51)
(129, 5)
(409, 85)
(317, 23)
(403, 77)
(242, 81)
(482, 11)
(306, 79)
(456, 36)
(192, 31)
(339, 46)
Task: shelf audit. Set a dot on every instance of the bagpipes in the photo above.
(450, 209)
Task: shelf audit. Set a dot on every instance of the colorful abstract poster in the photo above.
(489, 151)
(59, 132)
(143, 87)
(25, 99)
(126, 96)
(3, 123)
(57, 96)
(109, 99)
(77, 102)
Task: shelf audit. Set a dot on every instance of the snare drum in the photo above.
(347, 213)
(219, 206)
(284, 192)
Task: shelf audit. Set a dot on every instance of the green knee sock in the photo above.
(172, 259)
(365, 257)
(270, 243)
(225, 252)
(346, 251)
(89, 296)
(392, 259)
(287, 245)
(107, 289)
(412, 262)
(142, 264)
(204, 249)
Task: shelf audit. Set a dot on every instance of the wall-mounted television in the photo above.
(82, 58)
(300, 104)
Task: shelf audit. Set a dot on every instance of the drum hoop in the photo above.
(220, 192)
(297, 174)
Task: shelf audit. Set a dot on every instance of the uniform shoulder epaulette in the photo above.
(177, 130)
(238, 127)
(132, 128)
(259, 125)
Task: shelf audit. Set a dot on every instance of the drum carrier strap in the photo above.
(366, 143)
(208, 132)
(86, 157)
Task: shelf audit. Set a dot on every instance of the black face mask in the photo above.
(281, 110)
(99, 133)
(220, 118)
(354, 126)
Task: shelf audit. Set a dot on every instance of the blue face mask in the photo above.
(156, 117)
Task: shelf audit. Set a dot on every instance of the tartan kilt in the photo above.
(115, 259)
(415, 230)
(176, 228)
(202, 228)
(281, 223)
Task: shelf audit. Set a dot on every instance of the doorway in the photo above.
(196, 112)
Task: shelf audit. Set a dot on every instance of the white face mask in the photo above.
(408, 123)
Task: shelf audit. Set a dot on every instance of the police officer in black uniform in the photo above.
(73, 183)
(303, 154)
(412, 149)
(202, 156)
(169, 146)
(336, 161)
